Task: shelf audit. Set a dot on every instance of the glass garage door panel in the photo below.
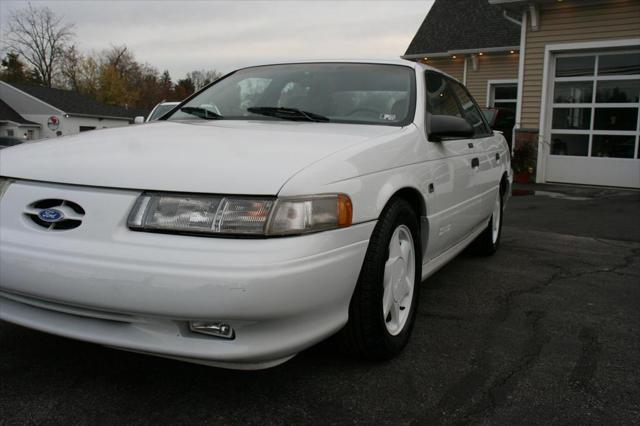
(571, 118)
(618, 119)
(619, 64)
(577, 145)
(618, 91)
(575, 66)
(613, 146)
(572, 92)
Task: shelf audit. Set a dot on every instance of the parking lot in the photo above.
(545, 331)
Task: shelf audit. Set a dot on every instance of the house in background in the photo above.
(14, 125)
(570, 67)
(473, 42)
(47, 113)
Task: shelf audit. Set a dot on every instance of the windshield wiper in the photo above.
(199, 112)
(293, 114)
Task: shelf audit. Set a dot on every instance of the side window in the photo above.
(470, 110)
(440, 98)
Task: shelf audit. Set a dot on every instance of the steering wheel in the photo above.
(364, 109)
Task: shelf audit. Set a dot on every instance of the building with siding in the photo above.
(34, 112)
(571, 67)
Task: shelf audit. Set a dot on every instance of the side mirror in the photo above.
(138, 120)
(447, 126)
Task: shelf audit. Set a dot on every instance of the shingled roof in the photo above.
(458, 25)
(76, 103)
(9, 114)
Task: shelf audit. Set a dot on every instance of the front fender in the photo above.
(370, 173)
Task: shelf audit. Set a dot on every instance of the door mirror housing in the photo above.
(447, 126)
(138, 120)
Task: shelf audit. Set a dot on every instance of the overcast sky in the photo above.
(187, 35)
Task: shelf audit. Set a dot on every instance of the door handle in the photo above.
(497, 156)
(475, 162)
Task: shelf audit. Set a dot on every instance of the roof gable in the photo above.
(454, 25)
(72, 102)
(9, 114)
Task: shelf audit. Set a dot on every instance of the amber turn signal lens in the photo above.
(345, 211)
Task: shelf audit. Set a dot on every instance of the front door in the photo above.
(490, 153)
(455, 203)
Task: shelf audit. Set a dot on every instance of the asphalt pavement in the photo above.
(547, 331)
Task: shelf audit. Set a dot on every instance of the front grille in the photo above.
(71, 212)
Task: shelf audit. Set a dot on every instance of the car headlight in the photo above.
(218, 215)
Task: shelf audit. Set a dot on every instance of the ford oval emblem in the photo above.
(51, 215)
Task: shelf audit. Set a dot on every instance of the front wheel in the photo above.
(384, 303)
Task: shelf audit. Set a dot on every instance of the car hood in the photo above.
(227, 157)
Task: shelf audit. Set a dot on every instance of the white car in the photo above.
(277, 207)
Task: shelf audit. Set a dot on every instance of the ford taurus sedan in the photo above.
(274, 208)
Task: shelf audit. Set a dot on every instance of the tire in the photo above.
(487, 243)
(374, 331)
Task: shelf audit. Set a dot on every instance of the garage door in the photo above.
(594, 122)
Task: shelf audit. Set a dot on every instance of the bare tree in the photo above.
(201, 78)
(120, 58)
(71, 67)
(41, 38)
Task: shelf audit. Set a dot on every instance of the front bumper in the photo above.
(103, 283)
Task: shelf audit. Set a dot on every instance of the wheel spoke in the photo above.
(387, 301)
(404, 288)
(395, 313)
(388, 273)
(394, 246)
(388, 266)
(405, 250)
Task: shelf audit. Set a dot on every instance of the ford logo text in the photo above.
(50, 215)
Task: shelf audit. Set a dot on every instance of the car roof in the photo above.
(393, 61)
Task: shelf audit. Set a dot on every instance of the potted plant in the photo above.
(524, 163)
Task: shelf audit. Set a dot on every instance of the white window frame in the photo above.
(548, 78)
(491, 86)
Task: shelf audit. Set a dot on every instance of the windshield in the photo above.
(161, 110)
(327, 92)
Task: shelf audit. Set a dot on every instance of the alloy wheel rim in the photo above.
(495, 221)
(399, 280)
